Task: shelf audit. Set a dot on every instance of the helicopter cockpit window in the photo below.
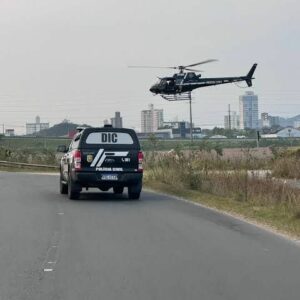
(170, 83)
(190, 76)
(163, 82)
(179, 78)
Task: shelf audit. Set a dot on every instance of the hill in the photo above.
(66, 129)
(284, 122)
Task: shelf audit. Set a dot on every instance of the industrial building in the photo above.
(151, 119)
(32, 128)
(9, 132)
(117, 120)
(288, 132)
(232, 121)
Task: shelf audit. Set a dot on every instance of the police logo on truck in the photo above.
(102, 155)
(89, 158)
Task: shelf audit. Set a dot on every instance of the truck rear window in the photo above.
(109, 138)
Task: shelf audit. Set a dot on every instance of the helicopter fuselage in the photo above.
(187, 82)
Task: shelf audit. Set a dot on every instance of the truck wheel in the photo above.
(134, 191)
(118, 189)
(73, 189)
(63, 187)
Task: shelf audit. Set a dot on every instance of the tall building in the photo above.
(234, 121)
(249, 111)
(151, 119)
(32, 128)
(117, 121)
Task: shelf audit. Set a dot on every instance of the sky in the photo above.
(68, 59)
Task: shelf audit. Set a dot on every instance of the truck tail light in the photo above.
(140, 160)
(77, 160)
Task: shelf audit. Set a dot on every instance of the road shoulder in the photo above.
(262, 217)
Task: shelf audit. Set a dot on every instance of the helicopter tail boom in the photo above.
(249, 76)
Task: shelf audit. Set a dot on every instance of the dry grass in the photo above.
(44, 156)
(286, 163)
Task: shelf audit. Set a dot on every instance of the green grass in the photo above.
(209, 144)
(51, 143)
(34, 143)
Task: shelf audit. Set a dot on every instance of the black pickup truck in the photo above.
(102, 158)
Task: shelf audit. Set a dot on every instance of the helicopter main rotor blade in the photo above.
(151, 67)
(202, 62)
(193, 70)
(180, 68)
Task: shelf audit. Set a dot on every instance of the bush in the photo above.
(286, 163)
(44, 156)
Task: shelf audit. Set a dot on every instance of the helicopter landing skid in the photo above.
(178, 97)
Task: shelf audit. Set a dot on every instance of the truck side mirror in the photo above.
(62, 149)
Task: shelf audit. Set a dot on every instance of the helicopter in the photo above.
(185, 82)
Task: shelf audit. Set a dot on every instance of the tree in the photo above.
(153, 140)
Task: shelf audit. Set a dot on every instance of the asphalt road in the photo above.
(107, 247)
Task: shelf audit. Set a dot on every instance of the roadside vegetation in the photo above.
(152, 143)
(30, 156)
(286, 163)
(33, 143)
(213, 144)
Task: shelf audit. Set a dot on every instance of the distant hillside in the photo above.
(284, 122)
(61, 129)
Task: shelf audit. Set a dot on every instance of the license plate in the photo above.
(109, 177)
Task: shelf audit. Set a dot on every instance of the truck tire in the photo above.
(73, 189)
(134, 191)
(63, 187)
(118, 189)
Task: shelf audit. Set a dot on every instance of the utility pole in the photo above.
(3, 128)
(257, 138)
(229, 117)
(191, 120)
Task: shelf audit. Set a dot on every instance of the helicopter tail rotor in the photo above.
(250, 74)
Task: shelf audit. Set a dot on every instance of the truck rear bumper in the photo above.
(92, 179)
